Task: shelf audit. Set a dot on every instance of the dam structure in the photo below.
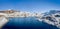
(53, 19)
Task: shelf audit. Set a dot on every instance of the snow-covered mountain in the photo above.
(52, 17)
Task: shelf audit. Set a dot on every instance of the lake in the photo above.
(27, 23)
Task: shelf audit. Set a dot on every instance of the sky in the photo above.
(30, 5)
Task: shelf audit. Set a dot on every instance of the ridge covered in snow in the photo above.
(52, 17)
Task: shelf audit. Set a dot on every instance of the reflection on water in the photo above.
(27, 23)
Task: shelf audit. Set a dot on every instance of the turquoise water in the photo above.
(27, 23)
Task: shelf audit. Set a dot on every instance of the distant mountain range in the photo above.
(52, 12)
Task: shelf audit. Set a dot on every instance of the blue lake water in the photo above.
(27, 23)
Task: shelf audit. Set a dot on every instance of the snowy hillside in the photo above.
(52, 17)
